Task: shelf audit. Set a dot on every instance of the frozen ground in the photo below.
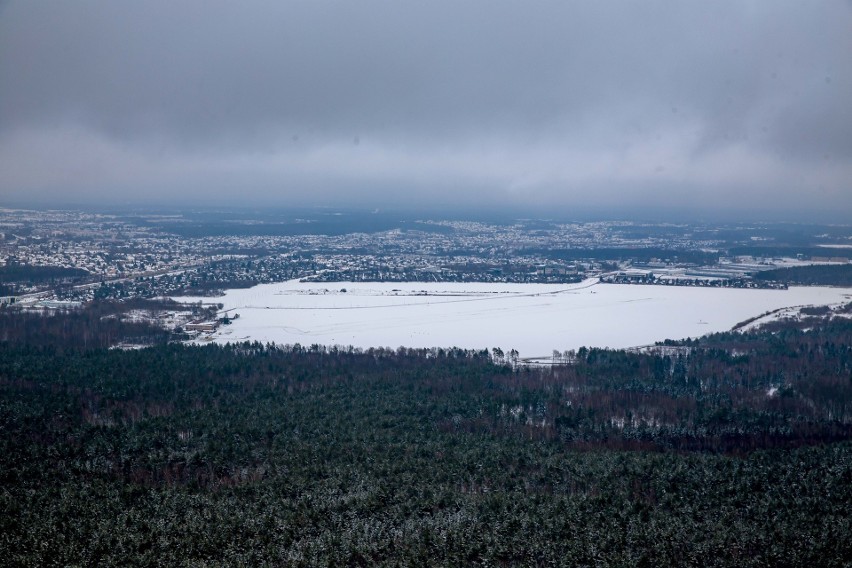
(535, 319)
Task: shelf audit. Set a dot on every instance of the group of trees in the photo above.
(733, 450)
(814, 275)
(29, 274)
(98, 324)
(13, 275)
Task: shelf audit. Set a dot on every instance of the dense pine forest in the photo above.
(99, 324)
(731, 450)
(814, 275)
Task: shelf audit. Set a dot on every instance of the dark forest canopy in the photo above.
(815, 275)
(28, 273)
(731, 451)
(789, 250)
(98, 324)
(13, 273)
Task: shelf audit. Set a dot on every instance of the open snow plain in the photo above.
(535, 319)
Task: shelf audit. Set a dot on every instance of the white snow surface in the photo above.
(535, 319)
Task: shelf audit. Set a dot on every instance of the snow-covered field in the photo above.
(535, 319)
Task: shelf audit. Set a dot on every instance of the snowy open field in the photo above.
(535, 319)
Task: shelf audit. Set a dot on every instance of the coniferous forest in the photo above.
(731, 450)
(812, 275)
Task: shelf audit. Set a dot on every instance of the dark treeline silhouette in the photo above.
(98, 324)
(643, 254)
(729, 450)
(790, 250)
(815, 275)
(14, 275)
(25, 273)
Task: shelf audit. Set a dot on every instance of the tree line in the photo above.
(814, 275)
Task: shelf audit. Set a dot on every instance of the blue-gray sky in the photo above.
(713, 108)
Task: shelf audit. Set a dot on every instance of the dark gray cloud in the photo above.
(719, 106)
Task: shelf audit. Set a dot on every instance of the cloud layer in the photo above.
(735, 108)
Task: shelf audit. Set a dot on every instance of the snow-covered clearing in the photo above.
(535, 319)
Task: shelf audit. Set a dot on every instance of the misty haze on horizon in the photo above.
(659, 110)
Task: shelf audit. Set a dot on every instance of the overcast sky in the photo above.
(682, 107)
